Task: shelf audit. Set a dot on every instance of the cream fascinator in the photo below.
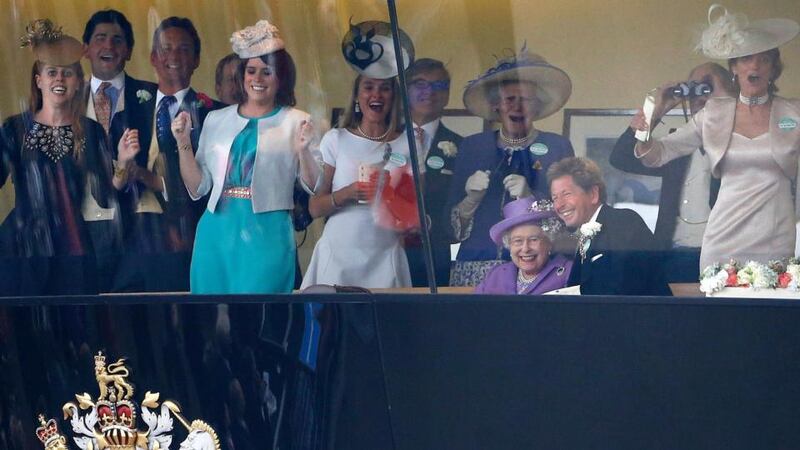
(733, 36)
(257, 40)
(50, 45)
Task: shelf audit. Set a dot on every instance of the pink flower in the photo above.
(784, 279)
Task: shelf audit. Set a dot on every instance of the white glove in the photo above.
(477, 184)
(517, 186)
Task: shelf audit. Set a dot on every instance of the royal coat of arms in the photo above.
(110, 421)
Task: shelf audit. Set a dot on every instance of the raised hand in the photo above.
(128, 146)
(182, 128)
(304, 136)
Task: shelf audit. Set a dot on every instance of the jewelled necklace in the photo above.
(55, 142)
(524, 283)
(515, 142)
(753, 101)
(373, 138)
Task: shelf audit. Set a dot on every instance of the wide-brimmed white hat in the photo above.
(553, 86)
(733, 35)
(369, 49)
(257, 40)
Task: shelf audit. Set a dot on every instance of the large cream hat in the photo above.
(257, 40)
(553, 86)
(50, 45)
(733, 36)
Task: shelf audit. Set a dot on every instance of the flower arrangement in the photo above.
(755, 275)
(448, 148)
(585, 234)
(143, 95)
(203, 100)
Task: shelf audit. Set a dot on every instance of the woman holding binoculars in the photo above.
(752, 141)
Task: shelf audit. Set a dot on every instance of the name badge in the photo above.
(435, 162)
(787, 123)
(397, 160)
(539, 149)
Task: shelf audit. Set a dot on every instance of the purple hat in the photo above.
(526, 210)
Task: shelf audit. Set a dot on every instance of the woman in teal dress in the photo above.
(248, 159)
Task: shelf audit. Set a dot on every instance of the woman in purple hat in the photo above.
(528, 231)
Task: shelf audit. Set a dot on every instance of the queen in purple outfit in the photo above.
(528, 231)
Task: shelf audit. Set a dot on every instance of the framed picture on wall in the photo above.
(593, 133)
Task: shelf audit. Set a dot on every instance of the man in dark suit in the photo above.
(164, 216)
(688, 191)
(437, 147)
(616, 251)
(117, 101)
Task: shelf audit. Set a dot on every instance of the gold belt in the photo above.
(237, 192)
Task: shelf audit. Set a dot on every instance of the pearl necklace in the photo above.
(753, 101)
(373, 138)
(523, 283)
(515, 141)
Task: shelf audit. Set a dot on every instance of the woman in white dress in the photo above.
(354, 249)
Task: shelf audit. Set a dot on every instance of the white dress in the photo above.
(353, 250)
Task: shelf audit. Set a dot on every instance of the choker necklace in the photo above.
(515, 141)
(373, 138)
(752, 101)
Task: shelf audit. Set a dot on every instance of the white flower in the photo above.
(448, 148)
(587, 231)
(758, 276)
(590, 229)
(143, 95)
(713, 283)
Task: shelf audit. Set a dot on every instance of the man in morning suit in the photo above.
(688, 191)
(164, 216)
(617, 257)
(115, 101)
(437, 146)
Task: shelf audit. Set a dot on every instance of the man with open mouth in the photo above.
(114, 100)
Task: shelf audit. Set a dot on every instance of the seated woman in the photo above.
(528, 232)
(496, 167)
(57, 159)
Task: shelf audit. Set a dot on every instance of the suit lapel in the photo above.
(717, 129)
(139, 114)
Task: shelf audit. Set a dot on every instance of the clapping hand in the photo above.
(477, 184)
(517, 186)
(182, 128)
(128, 147)
(304, 136)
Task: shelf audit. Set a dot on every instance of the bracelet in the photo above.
(185, 147)
(120, 172)
(333, 202)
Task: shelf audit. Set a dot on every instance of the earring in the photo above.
(357, 108)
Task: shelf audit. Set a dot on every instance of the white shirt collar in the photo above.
(179, 96)
(430, 128)
(596, 212)
(118, 82)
